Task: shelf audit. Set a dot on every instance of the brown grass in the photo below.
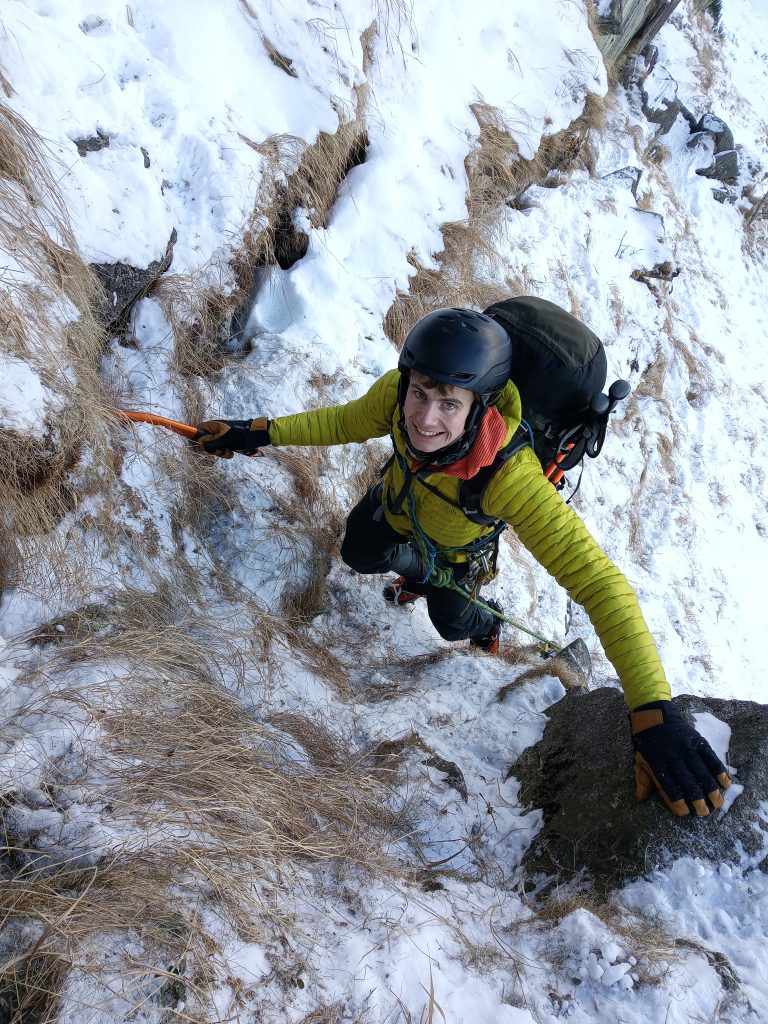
(653, 948)
(755, 209)
(470, 262)
(214, 804)
(298, 176)
(207, 318)
(567, 675)
(47, 320)
(280, 60)
(311, 525)
(708, 68)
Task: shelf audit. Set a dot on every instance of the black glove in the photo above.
(224, 437)
(673, 758)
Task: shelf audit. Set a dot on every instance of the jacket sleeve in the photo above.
(358, 420)
(559, 540)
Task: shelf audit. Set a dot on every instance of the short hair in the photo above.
(443, 387)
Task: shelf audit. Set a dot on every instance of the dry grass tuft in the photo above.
(200, 316)
(36, 231)
(653, 948)
(755, 211)
(311, 526)
(5, 85)
(328, 1013)
(497, 176)
(567, 675)
(212, 812)
(47, 300)
(278, 59)
(236, 788)
(298, 177)
(453, 284)
(299, 181)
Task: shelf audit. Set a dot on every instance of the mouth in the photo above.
(427, 433)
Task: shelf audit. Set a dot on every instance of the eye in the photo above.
(418, 393)
(450, 406)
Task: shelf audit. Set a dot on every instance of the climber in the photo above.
(450, 408)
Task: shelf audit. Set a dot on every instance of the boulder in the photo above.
(726, 195)
(660, 102)
(719, 159)
(702, 148)
(92, 143)
(626, 26)
(580, 775)
(629, 176)
(124, 285)
(718, 130)
(724, 168)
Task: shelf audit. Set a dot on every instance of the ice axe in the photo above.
(182, 429)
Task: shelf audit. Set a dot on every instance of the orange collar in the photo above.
(490, 437)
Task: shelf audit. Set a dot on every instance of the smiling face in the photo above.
(435, 413)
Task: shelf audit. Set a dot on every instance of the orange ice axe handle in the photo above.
(183, 429)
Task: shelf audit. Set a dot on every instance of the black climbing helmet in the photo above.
(463, 348)
(459, 347)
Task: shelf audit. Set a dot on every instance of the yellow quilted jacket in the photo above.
(520, 495)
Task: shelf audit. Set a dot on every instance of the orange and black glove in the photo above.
(673, 758)
(225, 437)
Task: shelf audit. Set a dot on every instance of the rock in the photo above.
(124, 285)
(725, 168)
(660, 102)
(726, 195)
(664, 271)
(702, 146)
(454, 776)
(719, 159)
(629, 25)
(93, 143)
(577, 658)
(718, 130)
(638, 66)
(650, 56)
(629, 176)
(580, 774)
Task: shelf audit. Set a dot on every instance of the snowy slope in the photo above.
(183, 91)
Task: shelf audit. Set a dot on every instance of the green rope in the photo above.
(442, 577)
(438, 579)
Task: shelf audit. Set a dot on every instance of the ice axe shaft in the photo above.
(183, 429)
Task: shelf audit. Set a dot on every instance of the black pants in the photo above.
(373, 546)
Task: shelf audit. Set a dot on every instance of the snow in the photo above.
(25, 402)
(183, 91)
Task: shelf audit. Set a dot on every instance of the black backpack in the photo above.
(559, 367)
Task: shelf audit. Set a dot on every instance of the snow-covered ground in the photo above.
(184, 92)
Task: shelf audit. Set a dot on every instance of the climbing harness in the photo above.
(442, 576)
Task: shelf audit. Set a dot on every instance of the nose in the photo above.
(429, 414)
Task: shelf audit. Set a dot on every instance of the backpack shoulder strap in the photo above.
(471, 491)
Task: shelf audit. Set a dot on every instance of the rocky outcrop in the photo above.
(717, 138)
(580, 775)
(125, 285)
(709, 139)
(629, 25)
